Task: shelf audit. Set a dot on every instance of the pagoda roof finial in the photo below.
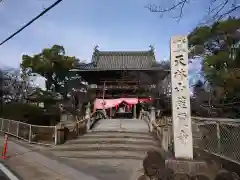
(96, 48)
(152, 48)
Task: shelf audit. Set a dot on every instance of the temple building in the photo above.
(119, 80)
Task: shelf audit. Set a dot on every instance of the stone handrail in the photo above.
(145, 116)
(160, 128)
(94, 117)
(150, 119)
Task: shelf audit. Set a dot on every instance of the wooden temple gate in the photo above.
(119, 82)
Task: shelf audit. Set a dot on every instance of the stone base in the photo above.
(190, 167)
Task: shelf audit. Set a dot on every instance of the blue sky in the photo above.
(79, 25)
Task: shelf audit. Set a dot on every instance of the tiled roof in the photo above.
(88, 66)
(111, 60)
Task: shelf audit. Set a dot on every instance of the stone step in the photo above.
(107, 147)
(117, 135)
(107, 169)
(101, 154)
(142, 130)
(119, 131)
(126, 141)
(106, 162)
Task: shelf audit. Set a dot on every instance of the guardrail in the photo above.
(218, 136)
(44, 135)
(48, 135)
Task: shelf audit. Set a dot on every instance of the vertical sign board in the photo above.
(181, 114)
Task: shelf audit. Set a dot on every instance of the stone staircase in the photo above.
(108, 154)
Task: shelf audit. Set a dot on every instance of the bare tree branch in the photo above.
(229, 12)
(159, 9)
(217, 9)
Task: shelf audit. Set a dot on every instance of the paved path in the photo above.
(114, 150)
(130, 125)
(28, 164)
(107, 155)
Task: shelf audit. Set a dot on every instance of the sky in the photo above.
(79, 25)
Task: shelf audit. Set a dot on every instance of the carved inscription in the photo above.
(180, 60)
(183, 136)
(180, 74)
(180, 86)
(181, 102)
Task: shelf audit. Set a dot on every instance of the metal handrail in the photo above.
(14, 128)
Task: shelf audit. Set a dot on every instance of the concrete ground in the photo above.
(36, 162)
(3, 176)
(29, 163)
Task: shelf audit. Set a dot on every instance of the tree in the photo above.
(218, 46)
(47, 97)
(15, 91)
(217, 9)
(198, 88)
(13, 88)
(200, 94)
(53, 64)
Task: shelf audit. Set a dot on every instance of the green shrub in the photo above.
(29, 113)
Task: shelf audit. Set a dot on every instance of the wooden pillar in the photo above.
(110, 113)
(182, 125)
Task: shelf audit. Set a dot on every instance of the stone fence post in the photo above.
(87, 115)
(152, 118)
(59, 134)
(140, 114)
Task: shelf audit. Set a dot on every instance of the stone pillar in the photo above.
(152, 118)
(182, 126)
(55, 135)
(140, 114)
(60, 135)
(165, 138)
(134, 111)
(87, 115)
(30, 133)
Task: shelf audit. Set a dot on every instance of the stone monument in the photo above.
(181, 111)
(181, 114)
